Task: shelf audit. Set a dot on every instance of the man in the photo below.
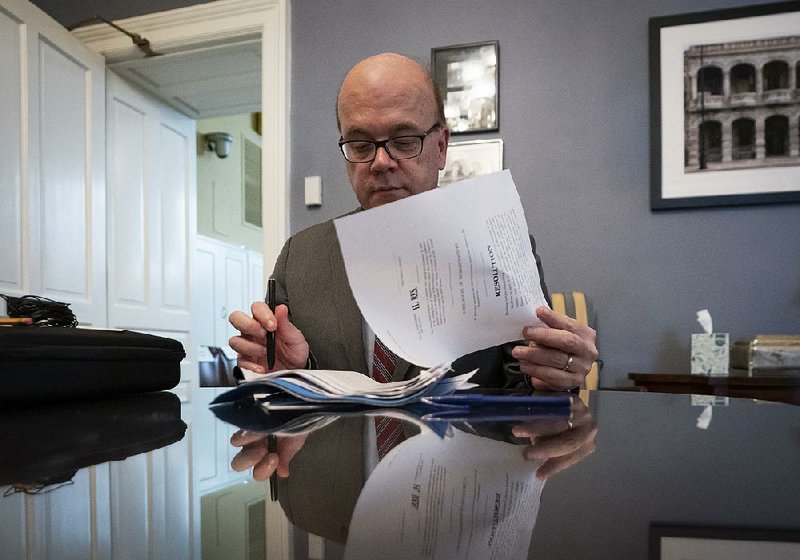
(394, 138)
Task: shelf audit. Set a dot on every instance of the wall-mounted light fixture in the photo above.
(219, 142)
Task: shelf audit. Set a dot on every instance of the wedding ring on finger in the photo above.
(568, 364)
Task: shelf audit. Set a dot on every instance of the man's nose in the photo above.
(382, 159)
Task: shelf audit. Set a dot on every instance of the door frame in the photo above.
(185, 29)
(193, 27)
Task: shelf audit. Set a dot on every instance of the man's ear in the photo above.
(444, 140)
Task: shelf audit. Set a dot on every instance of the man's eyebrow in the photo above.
(355, 132)
(395, 130)
(404, 128)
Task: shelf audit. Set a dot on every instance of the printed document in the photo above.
(465, 497)
(446, 272)
(334, 386)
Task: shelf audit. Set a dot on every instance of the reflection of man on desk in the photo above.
(394, 138)
(328, 476)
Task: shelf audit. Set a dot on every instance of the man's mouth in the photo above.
(386, 191)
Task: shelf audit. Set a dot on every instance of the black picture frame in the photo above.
(467, 77)
(709, 133)
(713, 542)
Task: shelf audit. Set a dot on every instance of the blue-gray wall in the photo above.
(574, 121)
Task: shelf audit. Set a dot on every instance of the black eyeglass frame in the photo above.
(383, 144)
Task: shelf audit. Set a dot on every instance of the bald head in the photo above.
(390, 75)
(383, 98)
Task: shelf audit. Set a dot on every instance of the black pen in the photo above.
(270, 301)
(272, 447)
(272, 442)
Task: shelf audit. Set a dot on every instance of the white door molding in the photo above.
(216, 23)
(180, 29)
(202, 25)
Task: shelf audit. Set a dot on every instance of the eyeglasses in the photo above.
(400, 147)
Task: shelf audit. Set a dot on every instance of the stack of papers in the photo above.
(333, 386)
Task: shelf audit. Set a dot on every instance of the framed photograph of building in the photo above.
(682, 542)
(467, 79)
(467, 159)
(725, 107)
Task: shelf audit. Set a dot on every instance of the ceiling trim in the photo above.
(180, 90)
(175, 30)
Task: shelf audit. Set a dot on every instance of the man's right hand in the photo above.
(291, 347)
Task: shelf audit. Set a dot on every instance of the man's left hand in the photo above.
(558, 357)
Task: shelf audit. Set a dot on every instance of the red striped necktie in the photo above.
(389, 431)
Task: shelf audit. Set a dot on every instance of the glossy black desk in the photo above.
(653, 472)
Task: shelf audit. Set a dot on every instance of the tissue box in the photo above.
(710, 354)
(775, 355)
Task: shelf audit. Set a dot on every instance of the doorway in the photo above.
(211, 60)
(243, 40)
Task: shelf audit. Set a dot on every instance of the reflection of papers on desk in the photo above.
(446, 272)
(465, 497)
(263, 408)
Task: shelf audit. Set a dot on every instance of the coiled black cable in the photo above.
(45, 312)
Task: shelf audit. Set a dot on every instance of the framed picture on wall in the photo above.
(725, 107)
(467, 159)
(467, 79)
(682, 542)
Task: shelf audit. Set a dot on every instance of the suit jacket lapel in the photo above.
(350, 334)
(403, 370)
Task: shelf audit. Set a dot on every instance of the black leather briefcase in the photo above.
(46, 364)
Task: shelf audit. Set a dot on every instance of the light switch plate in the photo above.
(313, 191)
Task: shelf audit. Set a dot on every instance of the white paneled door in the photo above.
(225, 278)
(52, 163)
(66, 233)
(151, 161)
(151, 176)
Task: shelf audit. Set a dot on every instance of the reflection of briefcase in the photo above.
(39, 364)
(45, 445)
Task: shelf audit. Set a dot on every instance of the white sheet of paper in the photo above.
(446, 272)
(466, 497)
